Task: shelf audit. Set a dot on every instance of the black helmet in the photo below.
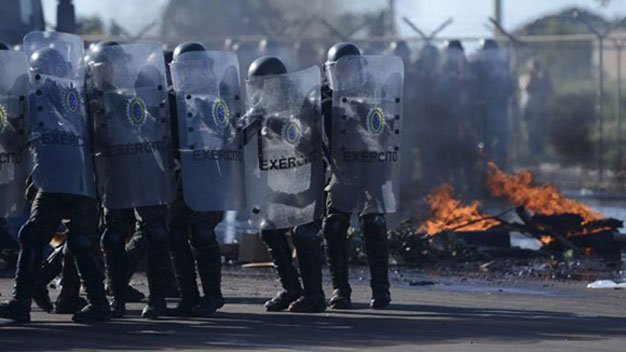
(400, 47)
(99, 55)
(49, 61)
(488, 44)
(188, 47)
(342, 49)
(266, 65)
(4, 46)
(453, 44)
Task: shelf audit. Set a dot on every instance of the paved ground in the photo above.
(452, 315)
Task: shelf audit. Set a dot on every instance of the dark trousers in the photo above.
(193, 245)
(152, 222)
(47, 212)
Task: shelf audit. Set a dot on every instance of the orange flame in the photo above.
(448, 213)
(544, 198)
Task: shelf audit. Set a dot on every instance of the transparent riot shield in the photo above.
(366, 132)
(132, 127)
(208, 104)
(285, 175)
(13, 132)
(59, 139)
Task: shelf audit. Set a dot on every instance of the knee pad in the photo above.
(30, 236)
(373, 225)
(113, 240)
(80, 244)
(203, 235)
(306, 234)
(335, 226)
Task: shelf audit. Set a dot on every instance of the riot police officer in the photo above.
(457, 134)
(133, 149)
(204, 102)
(284, 185)
(362, 113)
(61, 183)
(494, 88)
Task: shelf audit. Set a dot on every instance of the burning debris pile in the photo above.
(564, 227)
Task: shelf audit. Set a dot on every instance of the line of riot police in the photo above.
(462, 109)
(132, 135)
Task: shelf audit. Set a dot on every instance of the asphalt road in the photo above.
(452, 315)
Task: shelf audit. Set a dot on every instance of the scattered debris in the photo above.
(607, 284)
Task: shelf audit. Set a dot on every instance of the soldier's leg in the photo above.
(116, 222)
(182, 259)
(81, 242)
(374, 228)
(69, 300)
(44, 219)
(206, 251)
(279, 249)
(335, 231)
(153, 223)
(308, 244)
(50, 269)
(136, 251)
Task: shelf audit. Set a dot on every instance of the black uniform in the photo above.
(336, 223)
(193, 242)
(150, 221)
(308, 296)
(49, 209)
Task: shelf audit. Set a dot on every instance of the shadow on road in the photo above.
(242, 325)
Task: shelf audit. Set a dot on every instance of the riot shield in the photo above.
(13, 131)
(284, 182)
(208, 112)
(366, 132)
(59, 139)
(132, 127)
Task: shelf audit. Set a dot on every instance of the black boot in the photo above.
(308, 244)
(207, 306)
(158, 262)
(335, 230)
(209, 262)
(41, 296)
(69, 300)
(278, 247)
(50, 269)
(81, 246)
(374, 229)
(69, 305)
(28, 266)
(18, 311)
(184, 270)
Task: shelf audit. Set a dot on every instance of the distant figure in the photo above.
(535, 88)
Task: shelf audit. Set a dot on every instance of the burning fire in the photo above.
(447, 213)
(544, 198)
